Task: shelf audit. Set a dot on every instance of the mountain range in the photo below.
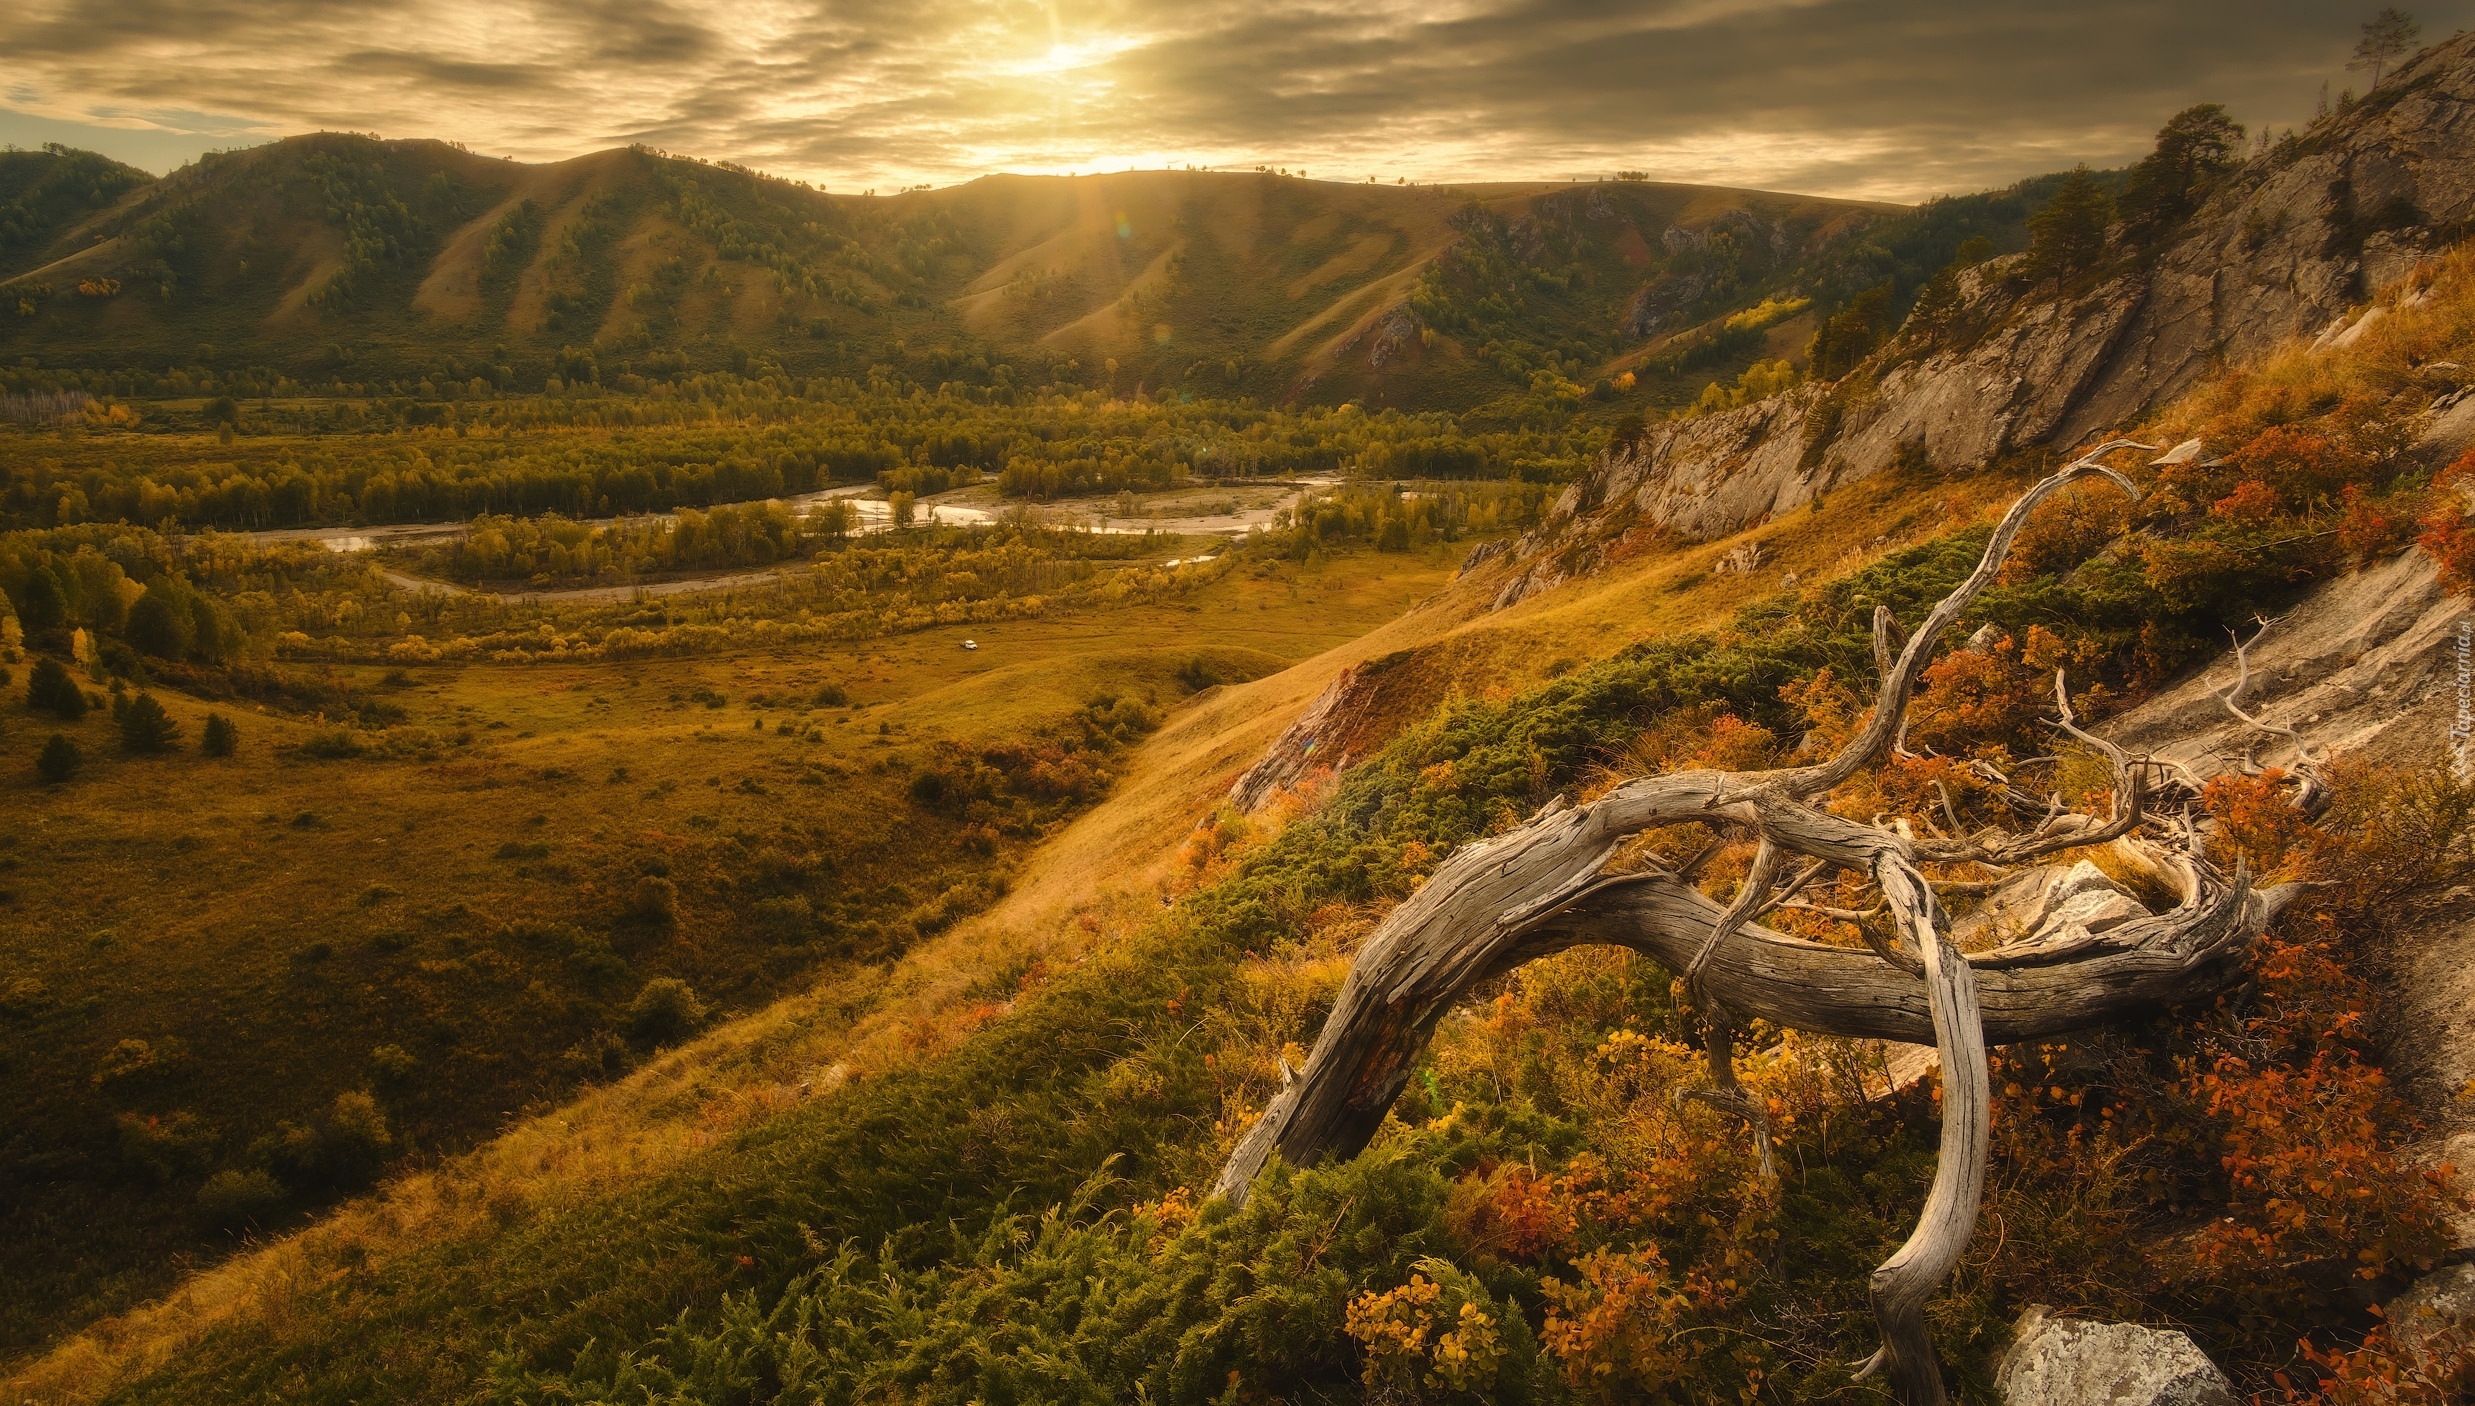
(343, 256)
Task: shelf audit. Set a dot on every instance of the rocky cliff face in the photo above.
(2287, 246)
(1344, 722)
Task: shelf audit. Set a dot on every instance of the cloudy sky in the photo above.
(1891, 99)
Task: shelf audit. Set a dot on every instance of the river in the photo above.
(875, 515)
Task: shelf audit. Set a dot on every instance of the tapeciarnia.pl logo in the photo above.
(2462, 728)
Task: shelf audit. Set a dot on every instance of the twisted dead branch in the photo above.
(1538, 889)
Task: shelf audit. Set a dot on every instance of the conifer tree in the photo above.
(49, 687)
(2068, 235)
(1851, 334)
(46, 606)
(162, 621)
(221, 738)
(145, 727)
(2388, 35)
(59, 760)
(2194, 147)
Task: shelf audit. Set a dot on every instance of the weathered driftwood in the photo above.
(1538, 889)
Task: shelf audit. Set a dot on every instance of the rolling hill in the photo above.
(336, 255)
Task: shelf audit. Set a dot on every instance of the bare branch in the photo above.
(1887, 639)
(1749, 899)
(2312, 794)
(2060, 831)
(1729, 1096)
(1900, 680)
(1910, 1276)
(1794, 887)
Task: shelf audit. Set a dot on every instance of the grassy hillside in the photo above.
(337, 256)
(1100, 878)
(724, 995)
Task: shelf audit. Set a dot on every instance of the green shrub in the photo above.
(233, 1199)
(1160, 1305)
(393, 1064)
(665, 1011)
(220, 738)
(49, 688)
(655, 901)
(335, 744)
(133, 1060)
(345, 1150)
(161, 1147)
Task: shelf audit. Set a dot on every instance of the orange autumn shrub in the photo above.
(1440, 1337)
(2067, 529)
(2313, 1193)
(2437, 1370)
(1622, 1330)
(1734, 745)
(2368, 528)
(2251, 504)
(2446, 535)
(1513, 1212)
(1972, 699)
(2258, 824)
(2300, 465)
(2303, 1127)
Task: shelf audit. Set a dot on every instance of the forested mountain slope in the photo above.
(46, 194)
(341, 258)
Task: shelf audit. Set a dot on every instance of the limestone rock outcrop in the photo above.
(1342, 723)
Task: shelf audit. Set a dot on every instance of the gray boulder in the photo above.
(2067, 1362)
(2434, 1320)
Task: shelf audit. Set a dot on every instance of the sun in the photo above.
(1064, 58)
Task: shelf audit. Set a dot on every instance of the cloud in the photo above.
(1892, 99)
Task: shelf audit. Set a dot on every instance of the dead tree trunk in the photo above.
(1538, 889)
